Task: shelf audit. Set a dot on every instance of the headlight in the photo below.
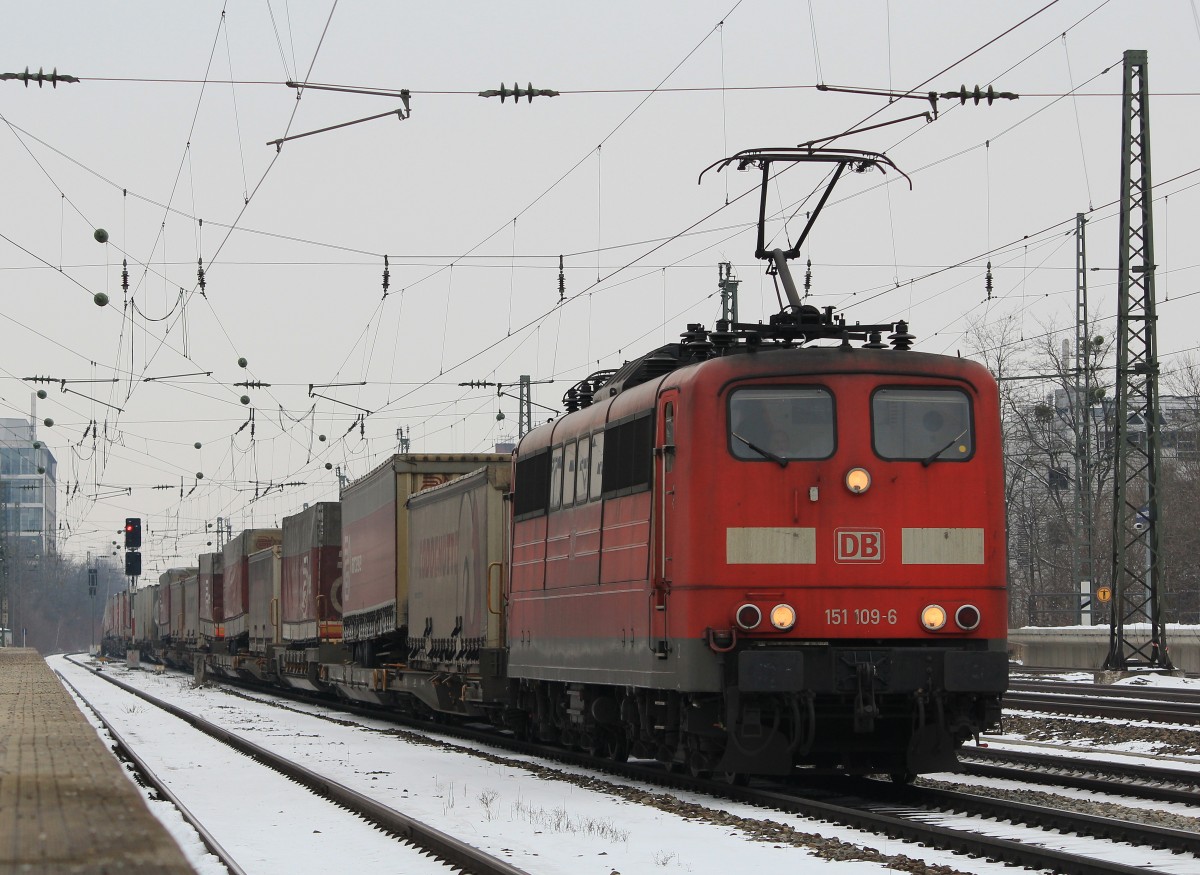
(933, 617)
(967, 617)
(783, 617)
(858, 480)
(748, 616)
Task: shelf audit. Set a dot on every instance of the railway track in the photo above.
(148, 777)
(897, 812)
(1094, 775)
(1173, 695)
(421, 838)
(1102, 704)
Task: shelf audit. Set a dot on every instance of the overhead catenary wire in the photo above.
(512, 266)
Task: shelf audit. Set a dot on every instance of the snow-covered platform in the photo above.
(65, 806)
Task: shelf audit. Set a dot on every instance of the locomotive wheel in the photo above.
(733, 779)
(902, 777)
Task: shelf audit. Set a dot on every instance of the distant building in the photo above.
(28, 508)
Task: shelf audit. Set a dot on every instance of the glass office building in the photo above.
(28, 480)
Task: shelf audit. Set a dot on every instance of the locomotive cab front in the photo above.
(838, 548)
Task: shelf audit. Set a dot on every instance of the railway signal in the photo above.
(133, 533)
(133, 564)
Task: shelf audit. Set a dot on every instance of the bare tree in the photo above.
(1043, 418)
(1179, 483)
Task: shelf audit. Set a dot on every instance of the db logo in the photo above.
(859, 545)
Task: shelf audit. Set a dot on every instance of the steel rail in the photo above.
(1177, 695)
(1136, 834)
(441, 845)
(862, 812)
(1083, 774)
(1070, 705)
(149, 777)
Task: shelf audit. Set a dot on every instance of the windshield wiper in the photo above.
(766, 454)
(929, 460)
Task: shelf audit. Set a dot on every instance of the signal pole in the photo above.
(524, 399)
(1136, 566)
(91, 578)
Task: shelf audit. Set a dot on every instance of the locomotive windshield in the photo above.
(781, 423)
(924, 425)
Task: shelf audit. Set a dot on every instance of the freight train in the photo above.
(765, 548)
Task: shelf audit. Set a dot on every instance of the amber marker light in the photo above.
(933, 617)
(783, 617)
(858, 480)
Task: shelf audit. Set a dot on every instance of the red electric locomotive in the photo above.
(745, 555)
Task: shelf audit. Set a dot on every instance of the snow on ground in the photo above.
(1169, 745)
(542, 825)
(264, 804)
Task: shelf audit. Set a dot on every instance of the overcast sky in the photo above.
(164, 144)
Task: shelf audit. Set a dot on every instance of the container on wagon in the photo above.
(311, 589)
(212, 597)
(169, 614)
(191, 607)
(263, 575)
(455, 564)
(237, 579)
(144, 610)
(375, 542)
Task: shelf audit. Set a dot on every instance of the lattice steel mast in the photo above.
(1082, 410)
(1137, 633)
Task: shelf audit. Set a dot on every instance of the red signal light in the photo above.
(133, 533)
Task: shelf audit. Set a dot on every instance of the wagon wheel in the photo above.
(615, 747)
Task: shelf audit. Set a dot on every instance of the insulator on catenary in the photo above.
(977, 94)
(517, 92)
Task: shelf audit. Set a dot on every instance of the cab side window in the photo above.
(556, 484)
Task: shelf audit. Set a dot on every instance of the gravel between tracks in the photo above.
(1165, 740)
